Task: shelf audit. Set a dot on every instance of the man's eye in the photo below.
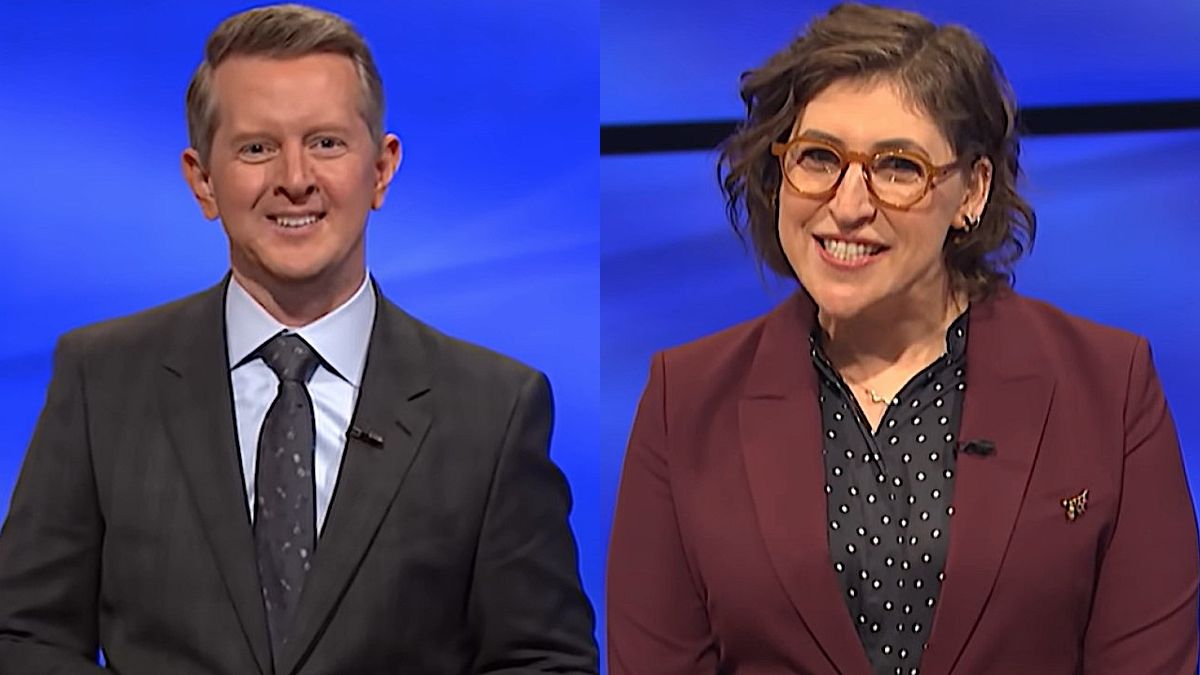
(328, 143)
(254, 149)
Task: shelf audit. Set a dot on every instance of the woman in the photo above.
(906, 467)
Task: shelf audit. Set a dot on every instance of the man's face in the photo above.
(292, 172)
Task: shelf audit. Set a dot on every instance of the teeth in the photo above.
(848, 251)
(297, 222)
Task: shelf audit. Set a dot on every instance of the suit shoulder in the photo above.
(728, 345)
(468, 361)
(700, 377)
(133, 331)
(1079, 335)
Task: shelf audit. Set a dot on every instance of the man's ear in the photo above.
(386, 164)
(200, 182)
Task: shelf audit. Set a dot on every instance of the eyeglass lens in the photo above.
(894, 177)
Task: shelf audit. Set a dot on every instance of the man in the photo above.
(286, 473)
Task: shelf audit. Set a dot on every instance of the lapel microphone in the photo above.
(369, 437)
(981, 447)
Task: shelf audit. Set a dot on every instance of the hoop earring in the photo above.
(969, 223)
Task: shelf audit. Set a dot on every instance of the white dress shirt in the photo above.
(340, 338)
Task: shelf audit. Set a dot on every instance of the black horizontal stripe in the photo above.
(625, 139)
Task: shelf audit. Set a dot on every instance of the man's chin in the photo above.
(306, 278)
(285, 275)
(309, 274)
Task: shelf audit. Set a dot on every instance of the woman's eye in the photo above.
(818, 159)
(898, 168)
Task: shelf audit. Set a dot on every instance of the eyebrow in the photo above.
(247, 136)
(886, 144)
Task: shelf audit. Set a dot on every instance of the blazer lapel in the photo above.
(393, 405)
(1006, 401)
(780, 427)
(197, 407)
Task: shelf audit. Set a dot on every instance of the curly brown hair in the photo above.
(945, 71)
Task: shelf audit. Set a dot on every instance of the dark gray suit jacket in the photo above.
(445, 550)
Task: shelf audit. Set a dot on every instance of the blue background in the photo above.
(667, 60)
(1119, 214)
(490, 231)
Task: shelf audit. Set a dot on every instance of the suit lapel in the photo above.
(1007, 400)
(197, 407)
(780, 428)
(394, 404)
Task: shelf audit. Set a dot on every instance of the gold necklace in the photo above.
(875, 397)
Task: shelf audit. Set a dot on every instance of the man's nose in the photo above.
(295, 177)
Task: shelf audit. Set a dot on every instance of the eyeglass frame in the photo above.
(933, 172)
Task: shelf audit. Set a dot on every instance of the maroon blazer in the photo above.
(720, 561)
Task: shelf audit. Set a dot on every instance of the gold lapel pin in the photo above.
(1076, 505)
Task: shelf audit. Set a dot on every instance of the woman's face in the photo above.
(851, 252)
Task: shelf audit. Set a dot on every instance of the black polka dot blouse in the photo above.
(889, 501)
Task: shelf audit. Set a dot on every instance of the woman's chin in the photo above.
(839, 304)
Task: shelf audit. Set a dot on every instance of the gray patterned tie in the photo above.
(284, 504)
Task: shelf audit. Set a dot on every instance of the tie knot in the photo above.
(290, 357)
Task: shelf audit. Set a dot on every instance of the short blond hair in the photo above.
(280, 31)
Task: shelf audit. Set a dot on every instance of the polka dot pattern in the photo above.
(888, 495)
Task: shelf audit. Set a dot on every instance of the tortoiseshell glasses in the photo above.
(898, 178)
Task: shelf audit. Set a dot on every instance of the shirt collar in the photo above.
(340, 337)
